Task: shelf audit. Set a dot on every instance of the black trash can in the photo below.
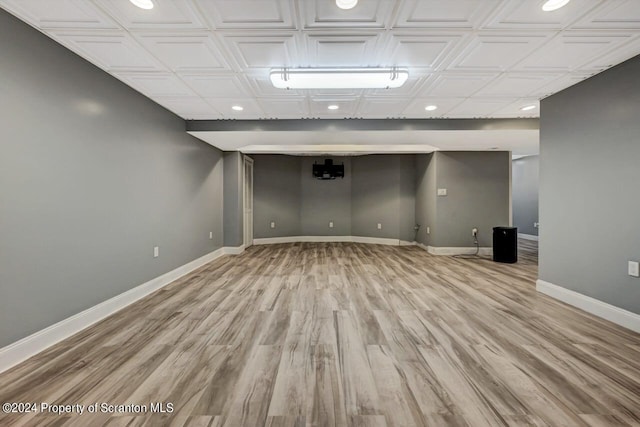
(505, 244)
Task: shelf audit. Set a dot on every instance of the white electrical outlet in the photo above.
(379, 226)
(273, 224)
(442, 191)
(211, 235)
(536, 225)
(156, 251)
(428, 230)
(330, 224)
(474, 232)
(634, 268)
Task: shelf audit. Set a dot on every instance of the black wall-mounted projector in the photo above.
(328, 170)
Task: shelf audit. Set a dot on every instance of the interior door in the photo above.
(248, 201)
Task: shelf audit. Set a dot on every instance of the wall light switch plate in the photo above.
(156, 251)
(442, 191)
(330, 224)
(379, 226)
(428, 230)
(211, 235)
(634, 268)
(273, 224)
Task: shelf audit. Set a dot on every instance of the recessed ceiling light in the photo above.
(528, 107)
(552, 5)
(143, 4)
(431, 107)
(346, 4)
(237, 108)
(333, 107)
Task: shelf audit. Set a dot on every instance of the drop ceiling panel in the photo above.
(443, 13)
(318, 107)
(190, 107)
(416, 108)
(562, 83)
(251, 108)
(457, 84)
(48, 14)
(166, 15)
(611, 57)
(515, 109)
(220, 85)
(332, 93)
(366, 14)
(529, 14)
(618, 14)
(478, 107)
(262, 87)
(496, 52)
(569, 51)
(291, 108)
(472, 58)
(330, 50)
(508, 84)
(408, 90)
(111, 50)
(241, 14)
(382, 108)
(186, 52)
(265, 50)
(156, 84)
(424, 50)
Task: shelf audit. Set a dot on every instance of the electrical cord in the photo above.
(475, 255)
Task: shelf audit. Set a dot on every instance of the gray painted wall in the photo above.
(325, 200)
(589, 175)
(276, 195)
(525, 194)
(375, 196)
(477, 186)
(376, 189)
(93, 175)
(233, 193)
(425, 204)
(407, 198)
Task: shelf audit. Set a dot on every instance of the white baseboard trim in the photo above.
(423, 246)
(376, 240)
(29, 346)
(355, 239)
(438, 250)
(596, 307)
(527, 236)
(233, 250)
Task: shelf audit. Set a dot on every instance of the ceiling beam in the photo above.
(361, 125)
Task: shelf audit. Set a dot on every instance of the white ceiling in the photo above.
(472, 58)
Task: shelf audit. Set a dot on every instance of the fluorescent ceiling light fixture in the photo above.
(237, 108)
(333, 107)
(552, 5)
(338, 78)
(346, 4)
(143, 4)
(431, 107)
(528, 107)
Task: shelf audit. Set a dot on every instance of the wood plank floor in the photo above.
(342, 334)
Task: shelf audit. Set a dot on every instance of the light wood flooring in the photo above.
(342, 334)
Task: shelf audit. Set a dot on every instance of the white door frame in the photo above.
(247, 201)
